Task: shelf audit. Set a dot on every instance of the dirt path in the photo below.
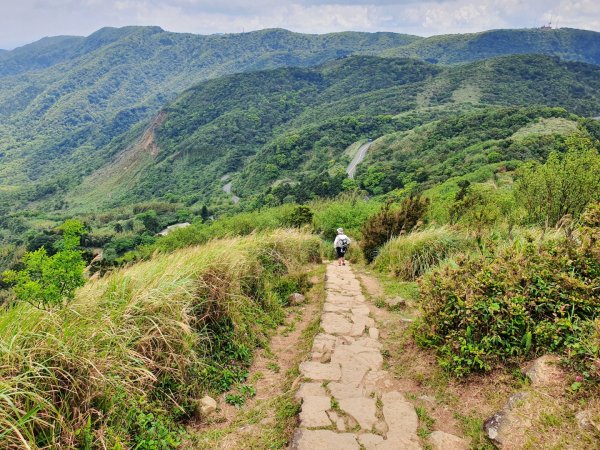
(348, 400)
(360, 155)
(268, 419)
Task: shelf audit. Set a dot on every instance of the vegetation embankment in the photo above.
(124, 363)
(502, 267)
(495, 286)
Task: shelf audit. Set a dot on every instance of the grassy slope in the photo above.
(146, 339)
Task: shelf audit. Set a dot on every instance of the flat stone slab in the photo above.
(311, 389)
(373, 333)
(334, 323)
(323, 342)
(319, 371)
(366, 341)
(445, 441)
(399, 414)
(323, 440)
(377, 381)
(345, 390)
(400, 442)
(362, 409)
(370, 441)
(313, 413)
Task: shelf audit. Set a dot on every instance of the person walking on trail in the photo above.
(341, 244)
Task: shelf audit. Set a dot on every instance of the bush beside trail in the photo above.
(122, 365)
(530, 298)
(410, 256)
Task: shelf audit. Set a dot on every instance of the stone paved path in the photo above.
(347, 399)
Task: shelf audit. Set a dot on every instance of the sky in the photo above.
(24, 21)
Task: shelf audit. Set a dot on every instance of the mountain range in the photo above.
(139, 113)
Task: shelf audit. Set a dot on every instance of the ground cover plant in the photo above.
(123, 364)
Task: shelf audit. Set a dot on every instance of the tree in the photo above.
(150, 221)
(204, 213)
(48, 282)
(564, 185)
(300, 216)
(391, 222)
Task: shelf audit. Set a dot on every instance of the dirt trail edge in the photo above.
(348, 401)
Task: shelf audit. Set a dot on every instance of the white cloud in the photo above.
(23, 21)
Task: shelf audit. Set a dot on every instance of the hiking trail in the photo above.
(348, 400)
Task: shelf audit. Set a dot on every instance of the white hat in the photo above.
(340, 230)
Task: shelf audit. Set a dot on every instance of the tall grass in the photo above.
(240, 224)
(123, 365)
(410, 256)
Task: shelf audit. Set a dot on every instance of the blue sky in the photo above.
(24, 21)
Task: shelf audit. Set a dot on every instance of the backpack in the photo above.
(345, 243)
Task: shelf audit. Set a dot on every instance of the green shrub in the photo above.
(564, 185)
(391, 221)
(410, 256)
(532, 297)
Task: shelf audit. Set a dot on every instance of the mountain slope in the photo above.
(97, 87)
(63, 99)
(566, 43)
(288, 124)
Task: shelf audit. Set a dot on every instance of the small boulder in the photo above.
(544, 371)
(498, 427)
(445, 441)
(206, 406)
(585, 421)
(296, 298)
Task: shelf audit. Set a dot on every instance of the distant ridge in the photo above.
(566, 43)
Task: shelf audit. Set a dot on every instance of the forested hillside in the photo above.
(63, 98)
(290, 124)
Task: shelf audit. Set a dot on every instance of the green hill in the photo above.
(62, 98)
(566, 43)
(289, 125)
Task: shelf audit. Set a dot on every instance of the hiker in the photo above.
(341, 244)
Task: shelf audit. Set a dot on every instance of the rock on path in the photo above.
(347, 399)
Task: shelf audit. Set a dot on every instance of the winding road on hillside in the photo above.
(360, 155)
(227, 189)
